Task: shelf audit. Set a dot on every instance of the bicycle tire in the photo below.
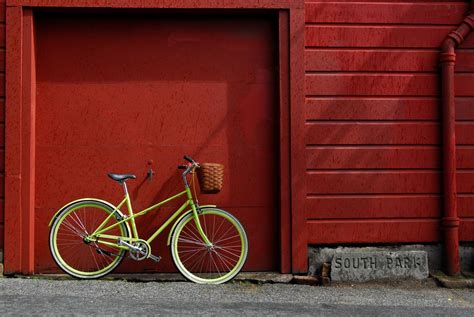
(209, 265)
(66, 240)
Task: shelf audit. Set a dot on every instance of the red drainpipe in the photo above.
(450, 220)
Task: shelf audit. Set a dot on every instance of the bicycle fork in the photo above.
(194, 206)
(195, 209)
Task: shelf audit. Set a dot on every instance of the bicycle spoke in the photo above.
(213, 227)
(78, 257)
(222, 221)
(188, 258)
(196, 235)
(229, 252)
(191, 238)
(217, 262)
(187, 251)
(197, 261)
(204, 225)
(202, 265)
(225, 239)
(78, 221)
(72, 228)
(228, 268)
(223, 235)
(227, 258)
(192, 241)
(93, 257)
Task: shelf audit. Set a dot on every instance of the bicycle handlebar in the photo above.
(189, 159)
(193, 164)
(189, 168)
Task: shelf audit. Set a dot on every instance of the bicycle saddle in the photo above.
(121, 177)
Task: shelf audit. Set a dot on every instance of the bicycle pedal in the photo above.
(155, 258)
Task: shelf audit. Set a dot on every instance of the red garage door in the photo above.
(127, 92)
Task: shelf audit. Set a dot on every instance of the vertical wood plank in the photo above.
(13, 141)
(28, 144)
(299, 236)
(285, 178)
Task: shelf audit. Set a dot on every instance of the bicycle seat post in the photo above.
(124, 185)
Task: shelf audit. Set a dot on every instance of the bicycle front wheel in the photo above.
(209, 264)
(69, 248)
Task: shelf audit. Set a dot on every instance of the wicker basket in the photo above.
(211, 177)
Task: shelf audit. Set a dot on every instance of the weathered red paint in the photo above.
(382, 133)
(368, 206)
(450, 220)
(372, 120)
(28, 113)
(22, 126)
(2, 122)
(372, 114)
(285, 137)
(370, 37)
(298, 228)
(343, 231)
(13, 138)
(368, 84)
(381, 13)
(167, 4)
(183, 92)
(399, 231)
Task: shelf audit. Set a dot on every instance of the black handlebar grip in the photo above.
(182, 167)
(187, 158)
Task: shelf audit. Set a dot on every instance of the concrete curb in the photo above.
(249, 277)
(461, 281)
(466, 281)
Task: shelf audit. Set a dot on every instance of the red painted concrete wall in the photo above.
(373, 121)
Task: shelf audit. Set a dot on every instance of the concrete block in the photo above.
(305, 280)
(359, 266)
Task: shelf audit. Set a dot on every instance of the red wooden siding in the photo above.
(372, 111)
(372, 121)
(2, 116)
(373, 12)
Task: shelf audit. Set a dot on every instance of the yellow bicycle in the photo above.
(89, 237)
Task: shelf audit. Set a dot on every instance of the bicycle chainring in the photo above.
(144, 252)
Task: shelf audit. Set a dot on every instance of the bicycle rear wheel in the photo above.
(213, 264)
(76, 256)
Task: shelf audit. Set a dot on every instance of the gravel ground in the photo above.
(39, 296)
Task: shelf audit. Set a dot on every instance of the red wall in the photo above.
(372, 121)
(2, 115)
(183, 92)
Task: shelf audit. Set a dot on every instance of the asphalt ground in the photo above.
(33, 296)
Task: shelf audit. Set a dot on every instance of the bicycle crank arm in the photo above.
(137, 249)
(155, 258)
(132, 247)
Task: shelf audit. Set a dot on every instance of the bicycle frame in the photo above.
(100, 233)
